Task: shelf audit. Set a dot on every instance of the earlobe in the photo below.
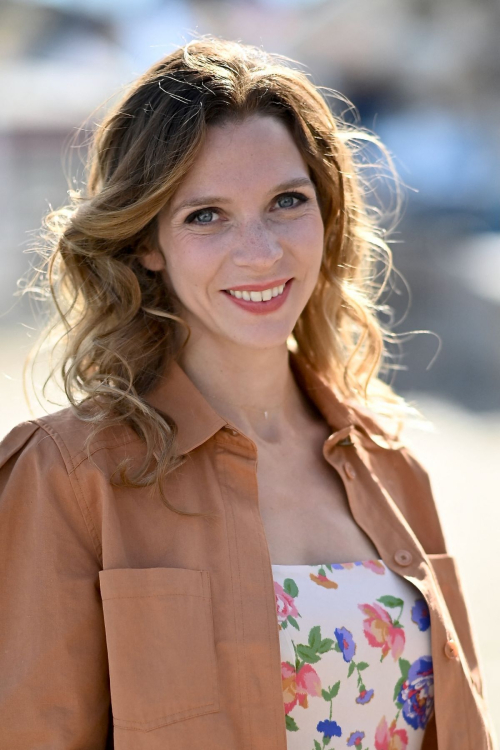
(153, 261)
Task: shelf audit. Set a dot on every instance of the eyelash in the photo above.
(300, 196)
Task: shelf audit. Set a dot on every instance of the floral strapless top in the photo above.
(356, 661)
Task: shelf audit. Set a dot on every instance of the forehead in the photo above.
(256, 149)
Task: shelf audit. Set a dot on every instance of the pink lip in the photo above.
(261, 308)
(258, 287)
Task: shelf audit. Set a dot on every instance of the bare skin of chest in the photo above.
(304, 506)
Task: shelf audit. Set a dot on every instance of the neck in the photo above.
(253, 389)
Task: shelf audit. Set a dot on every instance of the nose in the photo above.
(257, 247)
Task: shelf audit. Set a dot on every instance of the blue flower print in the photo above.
(329, 728)
(365, 696)
(420, 614)
(346, 643)
(355, 739)
(417, 693)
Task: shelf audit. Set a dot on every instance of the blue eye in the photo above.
(300, 197)
(197, 214)
(198, 217)
(290, 196)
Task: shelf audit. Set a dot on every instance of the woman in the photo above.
(217, 543)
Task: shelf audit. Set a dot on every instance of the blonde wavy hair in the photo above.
(121, 325)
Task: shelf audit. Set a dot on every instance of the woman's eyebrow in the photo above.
(210, 199)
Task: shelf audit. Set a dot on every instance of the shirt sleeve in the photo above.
(54, 686)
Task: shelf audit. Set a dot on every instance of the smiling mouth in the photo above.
(257, 296)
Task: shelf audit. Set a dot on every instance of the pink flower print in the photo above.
(289, 684)
(308, 683)
(285, 604)
(380, 631)
(298, 685)
(390, 738)
(376, 566)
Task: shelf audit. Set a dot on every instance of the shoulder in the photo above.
(381, 438)
(61, 436)
(384, 432)
(402, 475)
(48, 483)
(37, 491)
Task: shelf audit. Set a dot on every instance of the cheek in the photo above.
(191, 266)
(307, 237)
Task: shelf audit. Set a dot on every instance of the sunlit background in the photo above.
(424, 76)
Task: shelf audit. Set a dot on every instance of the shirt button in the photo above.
(349, 470)
(403, 557)
(451, 649)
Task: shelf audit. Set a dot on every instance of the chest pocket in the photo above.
(161, 648)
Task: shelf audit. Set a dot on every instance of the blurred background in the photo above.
(424, 75)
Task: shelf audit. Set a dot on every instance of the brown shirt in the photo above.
(112, 603)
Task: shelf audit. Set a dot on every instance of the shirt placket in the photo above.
(256, 626)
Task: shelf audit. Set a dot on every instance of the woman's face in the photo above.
(244, 223)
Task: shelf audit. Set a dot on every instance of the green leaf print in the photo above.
(307, 654)
(315, 637)
(291, 724)
(391, 601)
(317, 746)
(292, 622)
(362, 665)
(325, 646)
(310, 652)
(397, 688)
(290, 587)
(332, 692)
(351, 669)
(335, 689)
(404, 666)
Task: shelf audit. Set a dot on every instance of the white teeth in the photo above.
(263, 296)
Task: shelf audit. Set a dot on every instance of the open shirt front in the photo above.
(113, 604)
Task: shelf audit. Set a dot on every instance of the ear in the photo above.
(153, 260)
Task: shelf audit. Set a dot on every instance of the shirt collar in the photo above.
(176, 395)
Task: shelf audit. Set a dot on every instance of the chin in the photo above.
(261, 342)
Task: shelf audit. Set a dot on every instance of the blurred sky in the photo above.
(424, 75)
